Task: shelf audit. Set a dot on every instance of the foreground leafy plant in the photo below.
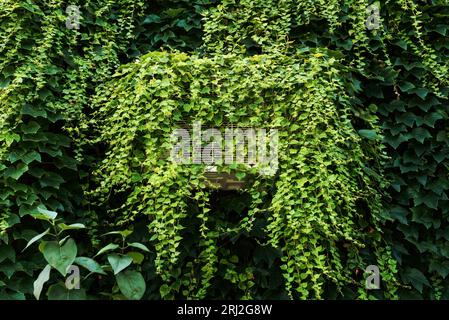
(59, 253)
(130, 282)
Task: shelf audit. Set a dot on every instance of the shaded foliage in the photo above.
(62, 117)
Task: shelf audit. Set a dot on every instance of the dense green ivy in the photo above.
(416, 122)
(323, 176)
(47, 75)
(364, 153)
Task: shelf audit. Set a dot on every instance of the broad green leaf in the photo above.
(89, 264)
(421, 92)
(34, 111)
(109, 247)
(51, 70)
(369, 134)
(131, 284)
(4, 83)
(124, 233)
(421, 134)
(60, 257)
(32, 156)
(14, 295)
(51, 179)
(441, 267)
(136, 256)
(119, 262)
(406, 86)
(9, 269)
(30, 128)
(397, 140)
(400, 214)
(416, 278)
(36, 238)
(139, 246)
(164, 290)
(401, 43)
(16, 172)
(43, 277)
(7, 252)
(151, 18)
(10, 138)
(74, 226)
(60, 292)
(433, 117)
(407, 118)
(48, 215)
(441, 29)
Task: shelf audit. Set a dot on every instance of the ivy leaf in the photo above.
(9, 138)
(430, 119)
(34, 111)
(51, 179)
(369, 134)
(16, 172)
(431, 200)
(421, 134)
(401, 43)
(442, 268)
(395, 141)
(407, 118)
(30, 128)
(441, 29)
(400, 214)
(52, 70)
(32, 156)
(421, 92)
(416, 278)
(406, 86)
(240, 175)
(7, 252)
(30, 6)
(4, 83)
(164, 290)
(151, 19)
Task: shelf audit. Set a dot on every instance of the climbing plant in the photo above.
(356, 88)
(324, 178)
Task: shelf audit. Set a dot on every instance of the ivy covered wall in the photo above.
(362, 113)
